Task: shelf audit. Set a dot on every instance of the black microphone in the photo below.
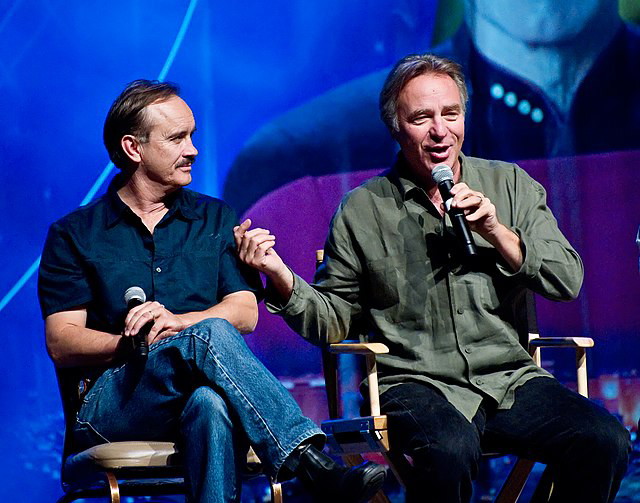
(443, 176)
(135, 296)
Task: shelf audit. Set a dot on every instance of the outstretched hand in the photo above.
(256, 248)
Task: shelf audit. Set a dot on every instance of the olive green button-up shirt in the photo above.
(391, 270)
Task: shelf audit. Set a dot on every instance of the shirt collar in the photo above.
(181, 202)
(407, 186)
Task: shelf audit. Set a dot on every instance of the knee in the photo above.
(216, 330)
(206, 407)
(613, 443)
(606, 442)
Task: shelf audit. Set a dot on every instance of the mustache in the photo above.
(188, 161)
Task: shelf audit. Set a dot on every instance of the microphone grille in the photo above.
(441, 173)
(134, 293)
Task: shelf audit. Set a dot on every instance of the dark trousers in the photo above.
(585, 446)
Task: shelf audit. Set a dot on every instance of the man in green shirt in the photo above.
(456, 378)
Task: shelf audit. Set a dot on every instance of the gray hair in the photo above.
(408, 68)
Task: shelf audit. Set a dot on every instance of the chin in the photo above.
(183, 181)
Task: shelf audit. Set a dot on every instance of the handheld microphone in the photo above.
(443, 176)
(135, 296)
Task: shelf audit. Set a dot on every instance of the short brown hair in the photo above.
(126, 115)
(408, 68)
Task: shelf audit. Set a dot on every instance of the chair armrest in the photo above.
(370, 350)
(580, 344)
(561, 342)
(359, 348)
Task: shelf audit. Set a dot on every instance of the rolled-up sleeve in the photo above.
(551, 267)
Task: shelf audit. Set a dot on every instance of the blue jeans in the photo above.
(206, 389)
(585, 446)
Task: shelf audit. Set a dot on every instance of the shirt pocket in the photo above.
(397, 286)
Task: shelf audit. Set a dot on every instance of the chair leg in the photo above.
(276, 491)
(399, 465)
(544, 488)
(515, 482)
(114, 489)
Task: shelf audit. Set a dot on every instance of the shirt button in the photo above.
(468, 350)
(158, 269)
(459, 310)
(479, 381)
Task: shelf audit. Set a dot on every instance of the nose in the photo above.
(438, 128)
(190, 149)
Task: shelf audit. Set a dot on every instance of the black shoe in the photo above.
(324, 477)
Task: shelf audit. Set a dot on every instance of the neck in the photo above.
(148, 204)
(557, 69)
(422, 178)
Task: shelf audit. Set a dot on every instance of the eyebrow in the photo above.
(427, 111)
(181, 132)
(452, 108)
(417, 113)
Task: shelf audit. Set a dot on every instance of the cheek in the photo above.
(458, 131)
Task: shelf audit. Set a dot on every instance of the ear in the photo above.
(131, 146)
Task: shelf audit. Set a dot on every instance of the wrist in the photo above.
(281, 283)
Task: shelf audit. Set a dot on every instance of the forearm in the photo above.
(280, 285)
(240, 309)
(318, 317)
(508, 244)
(73, 346)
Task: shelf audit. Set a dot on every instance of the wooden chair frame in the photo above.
(116, 469)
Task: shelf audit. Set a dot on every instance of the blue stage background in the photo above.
(240, 66)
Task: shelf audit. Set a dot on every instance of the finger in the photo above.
(159, 325)
(245, 243)
(469, 199)
(137, 323)
(239, 230)
(459, 187)
(151, 311)
(133, 314)
(461, 195)
(261, 251)
(257, 242)
(256, 232)
(250, 244)
(484, 211)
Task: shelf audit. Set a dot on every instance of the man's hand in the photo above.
(481, 215)
(165, 323)
(479, 211)
(256, 249)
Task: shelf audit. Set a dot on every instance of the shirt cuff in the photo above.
(274, 303)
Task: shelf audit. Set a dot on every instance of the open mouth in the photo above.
(439, 152)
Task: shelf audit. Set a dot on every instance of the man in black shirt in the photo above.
(200, 384)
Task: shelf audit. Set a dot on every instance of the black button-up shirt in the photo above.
(94, 254)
